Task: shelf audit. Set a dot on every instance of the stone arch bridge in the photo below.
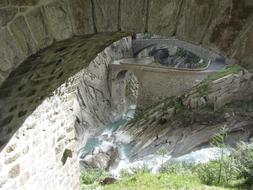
(43, 43)
(141, 44)
(156, 82)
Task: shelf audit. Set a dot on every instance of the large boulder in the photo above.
(100, 160)
(103, 160)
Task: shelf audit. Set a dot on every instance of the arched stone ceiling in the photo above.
(39, 48)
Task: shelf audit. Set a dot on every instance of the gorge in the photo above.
(68, 72)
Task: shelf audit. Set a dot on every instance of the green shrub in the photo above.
(243, 157)
(90, 175)
(212, 174)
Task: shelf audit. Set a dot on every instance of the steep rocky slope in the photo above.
(188, 122)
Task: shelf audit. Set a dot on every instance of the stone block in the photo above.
(81, 11)
(9, 52)
(3, 181)
(12, 158)
(4, 3)
(133, 15)
(24, 178)
(59, 148)
(23, 36)
(62, 136)
(14, 171)
(163, 16)
(58, 20)
(37, 25)
(23, 2)
(6, 15)
(25, 150)
(106, 15)
(11, 148)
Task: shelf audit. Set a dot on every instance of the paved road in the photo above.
(213, 66)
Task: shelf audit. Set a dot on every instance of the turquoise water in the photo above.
(94, 142)
(89, 146)
(125, 149)
(117, 125)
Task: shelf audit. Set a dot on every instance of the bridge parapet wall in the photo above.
(141, 44)
(156, 83)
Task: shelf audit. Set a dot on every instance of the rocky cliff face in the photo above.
(31, 30)
(188, 122)
(96, 105)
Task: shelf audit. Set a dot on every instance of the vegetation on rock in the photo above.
(204, 87)
(236, 174)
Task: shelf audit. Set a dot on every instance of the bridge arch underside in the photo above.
(39, 51)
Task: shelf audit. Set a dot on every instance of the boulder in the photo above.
(108, 181)
(114, 158)
(100, 160)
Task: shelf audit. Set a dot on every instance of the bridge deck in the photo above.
(141, 44)
(145, 63)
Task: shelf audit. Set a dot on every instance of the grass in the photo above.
(164, 181)
(231, 69)
(235, 174)
(172, 177)
(90, 175)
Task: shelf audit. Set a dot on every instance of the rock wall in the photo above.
(42, 154)
(94, 92)
(124, 89)
(233, 87)
(187, 123)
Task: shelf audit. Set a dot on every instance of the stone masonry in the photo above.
(32, 28)
(42, 154)
(34, 157)
(156, 83)
(45, 42)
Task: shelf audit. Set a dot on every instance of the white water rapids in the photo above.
(110, 138)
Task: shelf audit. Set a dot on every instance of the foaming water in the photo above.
(202, 156)
(110, 139)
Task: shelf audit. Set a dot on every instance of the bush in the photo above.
(90, 175)
(237, 167)
(212, 174)
(243, 158)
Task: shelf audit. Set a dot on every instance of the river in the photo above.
(108, 139)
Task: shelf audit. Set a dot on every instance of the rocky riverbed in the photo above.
(172, 130)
